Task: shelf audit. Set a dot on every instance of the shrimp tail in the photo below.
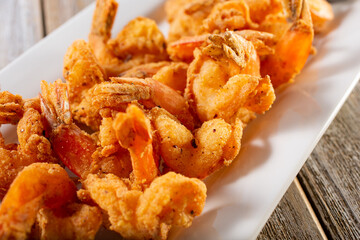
(72, 145)
(293, 47)
(133, 130)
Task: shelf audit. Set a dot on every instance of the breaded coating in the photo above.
(225, 76)
(172, 74)
(186, 17)
(140, 36)
(171, 200)
(32, 141)
(183, 49)
(11, 164)
(81, 72)
(32, 103)
(85, 112)
(36, 186)
(118, 163)
(100, 33)
(33, 147)
(71, 222)
(110, 157)
(147, 92)
(138, 43)
(263, 42)
(107, 137)
(11, 108)
(229, 15)
(215, 144)
(145, 70)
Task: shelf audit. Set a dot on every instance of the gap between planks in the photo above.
(43, 20)
(310, 208)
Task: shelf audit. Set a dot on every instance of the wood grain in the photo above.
(56, 12)
(331, 176)
(292, 219)
(21, 27)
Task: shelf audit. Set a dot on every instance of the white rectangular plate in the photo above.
(275, 146)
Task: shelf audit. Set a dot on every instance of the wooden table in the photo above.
(324, 199)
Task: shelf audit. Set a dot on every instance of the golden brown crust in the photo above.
(73, 221)
(36, 186)
(11, 108)
(170, 200)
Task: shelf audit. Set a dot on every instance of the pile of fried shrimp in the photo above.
(141, 119)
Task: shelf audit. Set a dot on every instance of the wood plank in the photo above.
(292, 219)
(331, 175)
(56, 12)
(21, 27)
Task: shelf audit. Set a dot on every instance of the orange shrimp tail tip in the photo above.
(133, 131)
(73, 146)
(292, 49)
(40, 185)
(182, 50)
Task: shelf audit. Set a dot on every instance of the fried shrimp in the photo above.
(38, 185)
(149, 92)
(11, 108)
(133, 131)
(141, 120)
(81, 72)
(139, 42)
(181, 13)
(145, 70)
(228, 15)
(77, 221)
(100, 34)
(134, 38)
(73, 146)
(216, 16)
(288, 60)
(215, 144)
(183, 49)
(172, 74)
(32, 147)
(170, 200)
(109, 156)
(224, 76)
